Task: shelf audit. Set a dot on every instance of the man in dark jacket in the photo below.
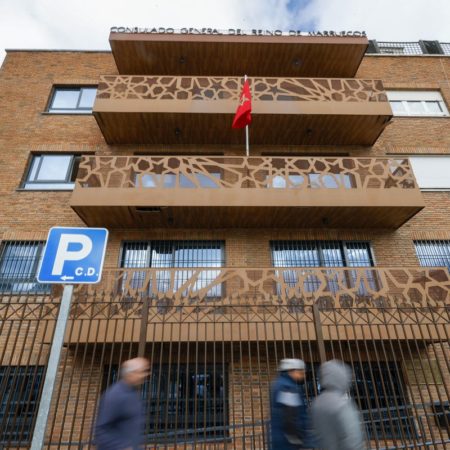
(290, 423)
(336, 418)
(120, 421)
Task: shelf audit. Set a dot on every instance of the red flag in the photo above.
(243, 114)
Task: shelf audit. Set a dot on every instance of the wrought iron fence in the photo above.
(212, 365)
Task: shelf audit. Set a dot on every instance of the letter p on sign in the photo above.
(63, 253)
(73, 255)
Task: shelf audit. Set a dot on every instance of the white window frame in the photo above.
(32, 182)
(437, 177)
(424, 97)
(77, 109)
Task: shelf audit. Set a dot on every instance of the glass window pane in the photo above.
(398, 107)
(34, 168)
(161, 254)
(332, 255)
(186, 181)
(146, 180)
(416, 107)
(295, 254)
(314, 180)
(278, 182)
(65, 99)
(207, 181)
(358, 254)
(433, 107)
(331, 181)
(54, 168)
(135, 255)
(87, 98)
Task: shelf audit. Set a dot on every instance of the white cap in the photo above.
(291, 364)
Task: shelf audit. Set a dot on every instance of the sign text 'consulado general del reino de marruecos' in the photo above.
(234, 31)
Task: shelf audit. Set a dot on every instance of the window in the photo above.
(417, 103)
(172, 180)
(52, 172)
(379, 390)
(431, 172)
(184, 400)
(19, 399)
(433, 253)
(323, 254)
(313, 180)
(175, 254)
(19, 262)
(73, 100)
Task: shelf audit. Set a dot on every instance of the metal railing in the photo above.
(400, 358)
(409, 48)
(188, 172)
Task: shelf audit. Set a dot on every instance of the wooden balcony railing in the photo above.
(332, 287)
(141, 87)
(186, 192)
(232, 172)
(148, 109)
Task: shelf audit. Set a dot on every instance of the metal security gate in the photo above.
(27, 325)
(212, 364)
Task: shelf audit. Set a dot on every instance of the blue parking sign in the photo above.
(73, 255)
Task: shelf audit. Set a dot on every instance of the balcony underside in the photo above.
(182, 54)
(128, 122)
(246, 208)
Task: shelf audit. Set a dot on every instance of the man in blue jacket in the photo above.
(290, 422)
(120, 421)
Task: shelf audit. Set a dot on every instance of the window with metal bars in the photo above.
(183, 401)
(19, 263)
(379, 390)
(175, 254)
(321, 254)
(324, 254)
(435, 253)
(19, 399)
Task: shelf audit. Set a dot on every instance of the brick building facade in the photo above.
(215, 334)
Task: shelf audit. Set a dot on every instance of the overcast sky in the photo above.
(85, 24)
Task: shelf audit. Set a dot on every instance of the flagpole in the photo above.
(247, 141)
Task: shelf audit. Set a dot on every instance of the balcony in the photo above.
(221, 192)
(199, 110)
(271, 56)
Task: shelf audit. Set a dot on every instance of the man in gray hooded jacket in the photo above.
(335, 416)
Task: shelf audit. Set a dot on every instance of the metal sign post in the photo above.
(52, 369)
(75, 256)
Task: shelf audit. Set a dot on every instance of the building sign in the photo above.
(236, 32)
(73, 255)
